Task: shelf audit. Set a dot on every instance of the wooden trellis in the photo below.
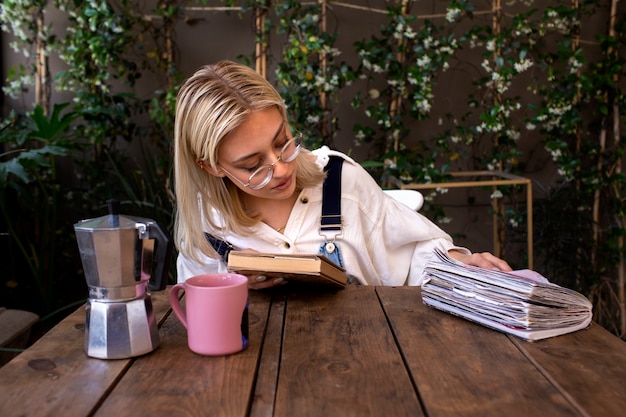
(617, 292)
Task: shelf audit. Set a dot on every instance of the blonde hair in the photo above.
(210, 104)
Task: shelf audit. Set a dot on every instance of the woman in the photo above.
(243, 177)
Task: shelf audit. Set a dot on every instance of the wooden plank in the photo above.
(55, 377)
(462, 368)
(174, 381)
(589, 365)
(339, 358)
(265, 390)
(15, 327)
(14, 323)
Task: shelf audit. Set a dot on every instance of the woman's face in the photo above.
(250, 153)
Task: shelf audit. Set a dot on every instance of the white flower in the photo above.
(496, 194)
(374, 93)
(390, 164)
(423, 105)
(513, 134)
(445, 50)
(452, 14)
(423, 61)
(312, 119)
(574, 64)
(556, 154)
(409, 34)
(523, 65)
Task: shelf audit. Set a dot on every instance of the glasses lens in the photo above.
(292, 148)
(262, 176)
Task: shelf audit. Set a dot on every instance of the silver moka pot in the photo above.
(118, 257)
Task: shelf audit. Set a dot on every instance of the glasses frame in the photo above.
(295, 139)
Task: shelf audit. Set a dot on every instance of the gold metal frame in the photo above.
(498, 178)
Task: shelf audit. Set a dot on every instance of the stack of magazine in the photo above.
(522, 303)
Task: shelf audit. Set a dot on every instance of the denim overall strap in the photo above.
(222, 247)
(331, 197)
(331, 222)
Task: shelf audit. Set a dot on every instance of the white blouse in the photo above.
(383, 242)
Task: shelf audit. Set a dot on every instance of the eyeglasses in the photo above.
(263, 175)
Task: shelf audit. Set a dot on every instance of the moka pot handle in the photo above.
(158, 281)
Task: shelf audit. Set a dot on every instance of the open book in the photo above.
(313, 269)
(521, 303)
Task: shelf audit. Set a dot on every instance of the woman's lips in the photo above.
(285, 184)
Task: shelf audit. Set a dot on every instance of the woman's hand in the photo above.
(259, 282)
(484, 260)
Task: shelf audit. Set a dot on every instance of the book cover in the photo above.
(521, 303)
(312, 269)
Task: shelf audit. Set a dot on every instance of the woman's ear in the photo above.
(210, 170)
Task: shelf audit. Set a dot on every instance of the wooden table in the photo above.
(362, 351)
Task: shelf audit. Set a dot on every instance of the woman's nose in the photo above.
(281, 168)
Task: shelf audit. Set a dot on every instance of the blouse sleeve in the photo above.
(387, 243)
(187, 268)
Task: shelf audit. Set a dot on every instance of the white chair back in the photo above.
(412, 198)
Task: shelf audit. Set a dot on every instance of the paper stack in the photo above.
(521, 303)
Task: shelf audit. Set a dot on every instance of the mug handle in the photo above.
(175, 303)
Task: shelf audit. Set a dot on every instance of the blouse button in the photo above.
(304, 200)
(286, 245)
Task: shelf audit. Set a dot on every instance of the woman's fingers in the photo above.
(483, 260)
(258, 282)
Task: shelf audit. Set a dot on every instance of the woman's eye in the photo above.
(252, 169)
(281, 145)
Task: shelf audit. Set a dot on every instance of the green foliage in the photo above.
(61, 168)
(20, 18)
(405, 62)
(33, 204)
(33, 141)
(529, 76)
(308, 77)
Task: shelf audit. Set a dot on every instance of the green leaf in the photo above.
(14, 167)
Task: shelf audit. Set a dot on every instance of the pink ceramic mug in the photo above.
(215, 312)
